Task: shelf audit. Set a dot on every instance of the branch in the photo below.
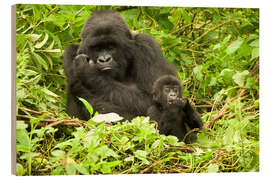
(48, 121)
(225, 108)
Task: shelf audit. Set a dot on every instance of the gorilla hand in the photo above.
(182, 102)
(81, 61)
(83, 65)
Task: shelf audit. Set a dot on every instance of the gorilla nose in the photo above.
(104, 59)
(172, 95)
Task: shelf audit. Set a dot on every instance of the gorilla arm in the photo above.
(193, 118)
(85, 81)
(124, 95)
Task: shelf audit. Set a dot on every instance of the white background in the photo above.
(5, 85)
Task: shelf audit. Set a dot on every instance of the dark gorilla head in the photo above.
(166, 90)
(106, 22)
(106, 40)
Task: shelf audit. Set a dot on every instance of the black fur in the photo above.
(175, 116)
(123, 82)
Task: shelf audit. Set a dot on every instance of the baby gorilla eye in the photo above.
(166, 90)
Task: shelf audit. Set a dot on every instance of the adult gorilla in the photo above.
(112, 68)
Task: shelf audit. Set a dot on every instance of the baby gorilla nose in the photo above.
(172, 95)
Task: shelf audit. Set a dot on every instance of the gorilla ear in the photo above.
(156, 96)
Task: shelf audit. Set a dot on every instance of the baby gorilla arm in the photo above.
(193, 118)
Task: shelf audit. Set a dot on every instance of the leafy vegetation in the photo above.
(216, 53)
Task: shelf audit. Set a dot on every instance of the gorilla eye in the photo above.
(110, 47)
(95, 48)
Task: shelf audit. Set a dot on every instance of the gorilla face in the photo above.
(107, 57)
(107, 40)
(170, 93)
(103, 57)
(167, 91)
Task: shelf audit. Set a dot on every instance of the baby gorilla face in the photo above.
(171, 93)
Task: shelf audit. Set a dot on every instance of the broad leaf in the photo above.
(240, 78)
(234, 46)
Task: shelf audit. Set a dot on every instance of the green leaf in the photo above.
(213, 81)
(227, 75)
(217, 46)
(21, 125)
(131, 158)
(24, 142)
(58, 153)
(107, 167)
(48, 92)
(255, 43)
(34, 37)
(87, 105)
(203, 139)
(34, 121)
(172, 140)
(198, 72)
(124, 140)
(256, 104)
(244, 50)
(234, 46)
(58, 20)
(81, 169)
(41, 61)
(255, 53)
(130, 14)
(20, 171)
(240, 78)
(251, 82)
(156, 144)
(29, 155)
(58, 171)
(55, 38)
(185, 16)
(104, 152)
(142, 156)
(52, 50)
(71, 169)
(227, 38)
(41, 44)
(164, 22)
(212, 168)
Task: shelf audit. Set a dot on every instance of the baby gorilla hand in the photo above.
(182, 102)
(178, 102)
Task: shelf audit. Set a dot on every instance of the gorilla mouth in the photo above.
(169, 101)
(106, 68)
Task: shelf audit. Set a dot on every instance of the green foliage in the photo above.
(88, 106)
(216, 54)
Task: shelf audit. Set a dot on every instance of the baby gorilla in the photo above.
(173, 113)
